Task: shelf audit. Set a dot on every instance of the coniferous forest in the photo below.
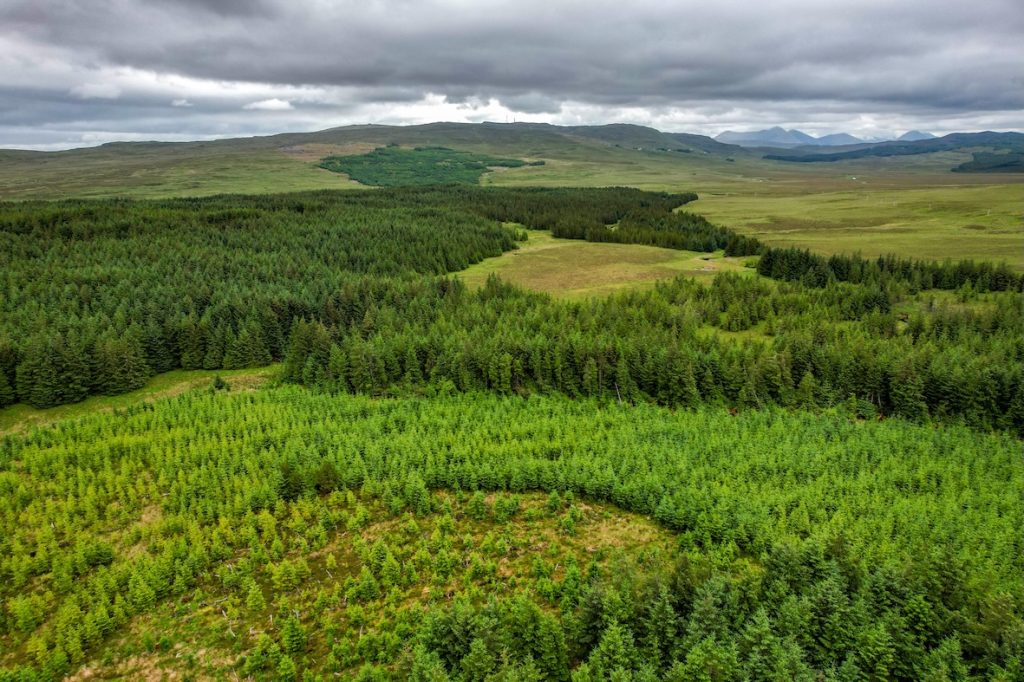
(808, 470)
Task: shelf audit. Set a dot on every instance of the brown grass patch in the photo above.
(313, 152)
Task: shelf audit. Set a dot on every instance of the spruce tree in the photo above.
(293, 636)
(906, 392)
(38, 379)
(7, 395)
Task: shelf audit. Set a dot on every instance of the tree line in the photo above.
(675, 345)
(794, 264)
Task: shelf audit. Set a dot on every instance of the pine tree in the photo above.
(287, 671)
(591, 378)
(477, 507)
(624, 384)
(192, 342)
(426, 666)
(710, 390)
(660, 629)
(710, 660)
(807, 391)
(154, 342)
(38, 380)
(7, 395)
(906, 392)
(76, 381)
(293, 636)
(684, 393)
(337, 368)
(413, 376)
(120, 363)
(615, 652)
(254, 597)
(479, 663)
(215, 346)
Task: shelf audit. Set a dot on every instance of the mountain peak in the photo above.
(915, 135)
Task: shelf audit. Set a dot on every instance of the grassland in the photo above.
(155, 171)
(572, 268)
(983, 222)
(910, 207)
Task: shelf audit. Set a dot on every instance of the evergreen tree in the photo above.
(616, 652)
(215, 345)
(7, 395)
(807, 391)
(37, 375)
(293, 636)
(254, 597)
(192, 342)
(479, 663)
(907, 393)
(287, 671)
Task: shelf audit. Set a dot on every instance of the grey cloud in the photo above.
(933, 59)
(223, 8)
(532, 103)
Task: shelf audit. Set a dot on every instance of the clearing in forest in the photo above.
(576, 268)
(21, 417)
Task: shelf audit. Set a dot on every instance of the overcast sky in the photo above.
(78, 72)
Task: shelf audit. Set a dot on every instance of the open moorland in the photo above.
(876, 205)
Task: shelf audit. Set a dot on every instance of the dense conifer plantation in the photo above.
(295, 533)
(101, 295)
(677, 345)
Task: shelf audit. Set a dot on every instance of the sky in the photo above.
(83, 72)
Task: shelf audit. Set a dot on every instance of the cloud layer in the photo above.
(80, 71)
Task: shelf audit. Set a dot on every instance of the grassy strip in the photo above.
(21, 416)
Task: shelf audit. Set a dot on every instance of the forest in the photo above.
(394, 166)
(808, 469)
(350, 289)
(300, 534)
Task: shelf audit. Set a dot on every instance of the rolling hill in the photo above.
(616, 154)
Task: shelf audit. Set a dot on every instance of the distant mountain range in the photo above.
(993, 152)
(780, 137)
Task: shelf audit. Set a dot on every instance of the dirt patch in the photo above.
(134, 668)
(314, 152)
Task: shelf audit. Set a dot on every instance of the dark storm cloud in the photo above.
(789, 59)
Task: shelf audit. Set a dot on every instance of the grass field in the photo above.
(21, 416)
(151, 172)
(571, 268)
(913, 208)
(983, 222)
